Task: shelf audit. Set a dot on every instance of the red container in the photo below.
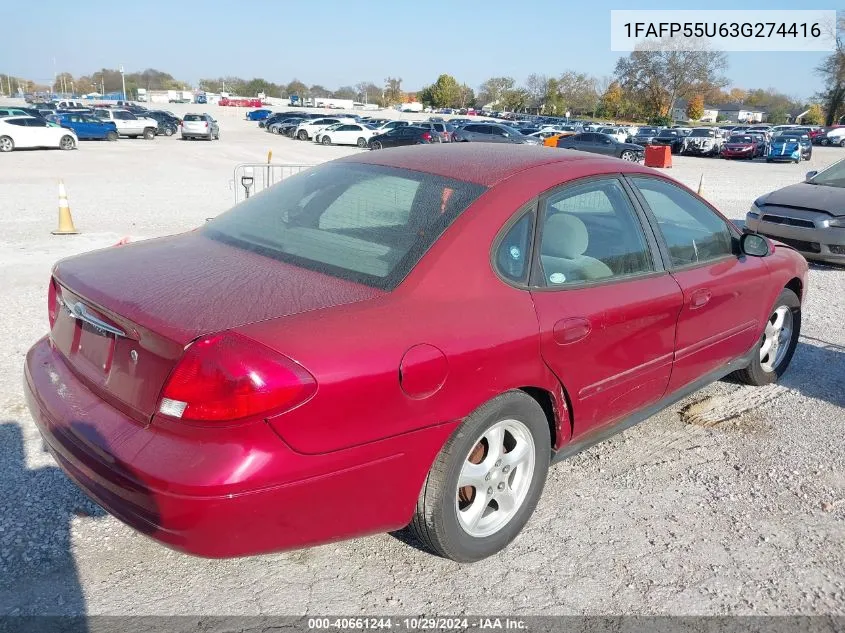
(658, 156)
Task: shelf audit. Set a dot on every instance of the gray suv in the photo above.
(200, 126)
(492, 133)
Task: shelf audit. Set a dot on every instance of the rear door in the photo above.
(606, 307)
(720, 319)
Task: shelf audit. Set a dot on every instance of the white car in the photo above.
(128, 124)
(25, 131)
(620, 134)
(306, 130)
(386, 126)
(346, 134)
(835, 137)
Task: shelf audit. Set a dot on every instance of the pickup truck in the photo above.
(128, 124)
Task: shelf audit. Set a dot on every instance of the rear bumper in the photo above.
(813, 243)
(222, 492)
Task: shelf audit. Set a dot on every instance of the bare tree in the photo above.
(536, 86)
(832, 71)
(664, 71)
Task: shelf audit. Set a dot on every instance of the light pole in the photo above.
(123, 82)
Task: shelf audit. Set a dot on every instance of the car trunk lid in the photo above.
(124, 315)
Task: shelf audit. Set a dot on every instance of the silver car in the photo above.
(492, 133)
(200, 126)
(809, 216)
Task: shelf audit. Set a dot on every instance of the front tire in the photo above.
(628, 155)
(168, 131)
(777, 344)
(325, 140)
(67, 142)
(303, 135)
(111, 136)
(362, 142)
(486, 480)
(376, 145)
(149, 134)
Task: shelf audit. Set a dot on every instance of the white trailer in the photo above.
(414, 106)
(338, 104)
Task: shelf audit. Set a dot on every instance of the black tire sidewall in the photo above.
(460, 545)
(759, 375)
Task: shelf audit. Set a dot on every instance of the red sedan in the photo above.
(410, 336)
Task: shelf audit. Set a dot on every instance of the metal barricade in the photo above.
(251, 178)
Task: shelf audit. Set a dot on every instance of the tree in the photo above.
(777, 115)
(445, 92)
(578, 91)
(814, 115)
(493, 90)
(466, 97)
(515, 99)
(536, 86)
(659, 73)
(296, 87)
(319, 91)
(368, 92)
(612, 101)
(393, 90)
(832, 72)
(346, 92)
(695, 108)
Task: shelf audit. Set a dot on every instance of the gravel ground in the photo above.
(731, 502)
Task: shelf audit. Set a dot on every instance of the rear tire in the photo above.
(376, 145)
(6, 144)
(149, 134)
(168, 131)
(464, 521)
(777, 344)
(67, 142)
(362, 142)
(111, 136)
(302, 136)
(628, 155)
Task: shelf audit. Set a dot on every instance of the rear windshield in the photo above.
(194, 117)
(366, 223)
(740, 139)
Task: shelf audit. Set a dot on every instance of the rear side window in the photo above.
(512, 256)
(366, 223)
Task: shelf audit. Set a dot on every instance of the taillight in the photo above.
(52, 303)
(426, 136)
(228, 377)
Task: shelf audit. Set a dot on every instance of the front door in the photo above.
(606, 308)
(720, 317)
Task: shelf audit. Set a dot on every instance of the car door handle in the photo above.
(699, 298)
(568, 331)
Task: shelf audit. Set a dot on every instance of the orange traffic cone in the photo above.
(700, 191)
(66, 226)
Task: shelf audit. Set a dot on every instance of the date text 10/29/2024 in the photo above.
(415, 624)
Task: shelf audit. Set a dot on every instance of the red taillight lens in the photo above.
(53, 303)
(426, 136)
(228, 377)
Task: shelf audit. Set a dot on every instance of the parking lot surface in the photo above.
(730, 502)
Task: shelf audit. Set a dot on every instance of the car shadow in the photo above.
(814, 370)
(40, 588)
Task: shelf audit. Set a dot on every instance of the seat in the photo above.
(565, 239)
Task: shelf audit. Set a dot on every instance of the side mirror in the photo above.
(810, 175)
(754, 245)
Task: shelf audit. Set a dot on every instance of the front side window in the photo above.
(365, 223)
(591, 232)
(692, 231)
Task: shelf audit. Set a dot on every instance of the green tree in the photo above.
(515, 100)
(346, 92)
(612, 101)
(393, 90)
(695, 108)
(445, 92)
(493, 90)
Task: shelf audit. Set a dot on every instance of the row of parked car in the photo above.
(64, 126)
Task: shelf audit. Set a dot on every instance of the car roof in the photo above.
(17, 117)
(481, 163)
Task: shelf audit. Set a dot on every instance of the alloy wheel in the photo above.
(495, 478)
(776, 338)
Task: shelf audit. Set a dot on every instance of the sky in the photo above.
(343, 42)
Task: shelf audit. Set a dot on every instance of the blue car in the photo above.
(790, 147)
(258, 115)
(86, 126)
